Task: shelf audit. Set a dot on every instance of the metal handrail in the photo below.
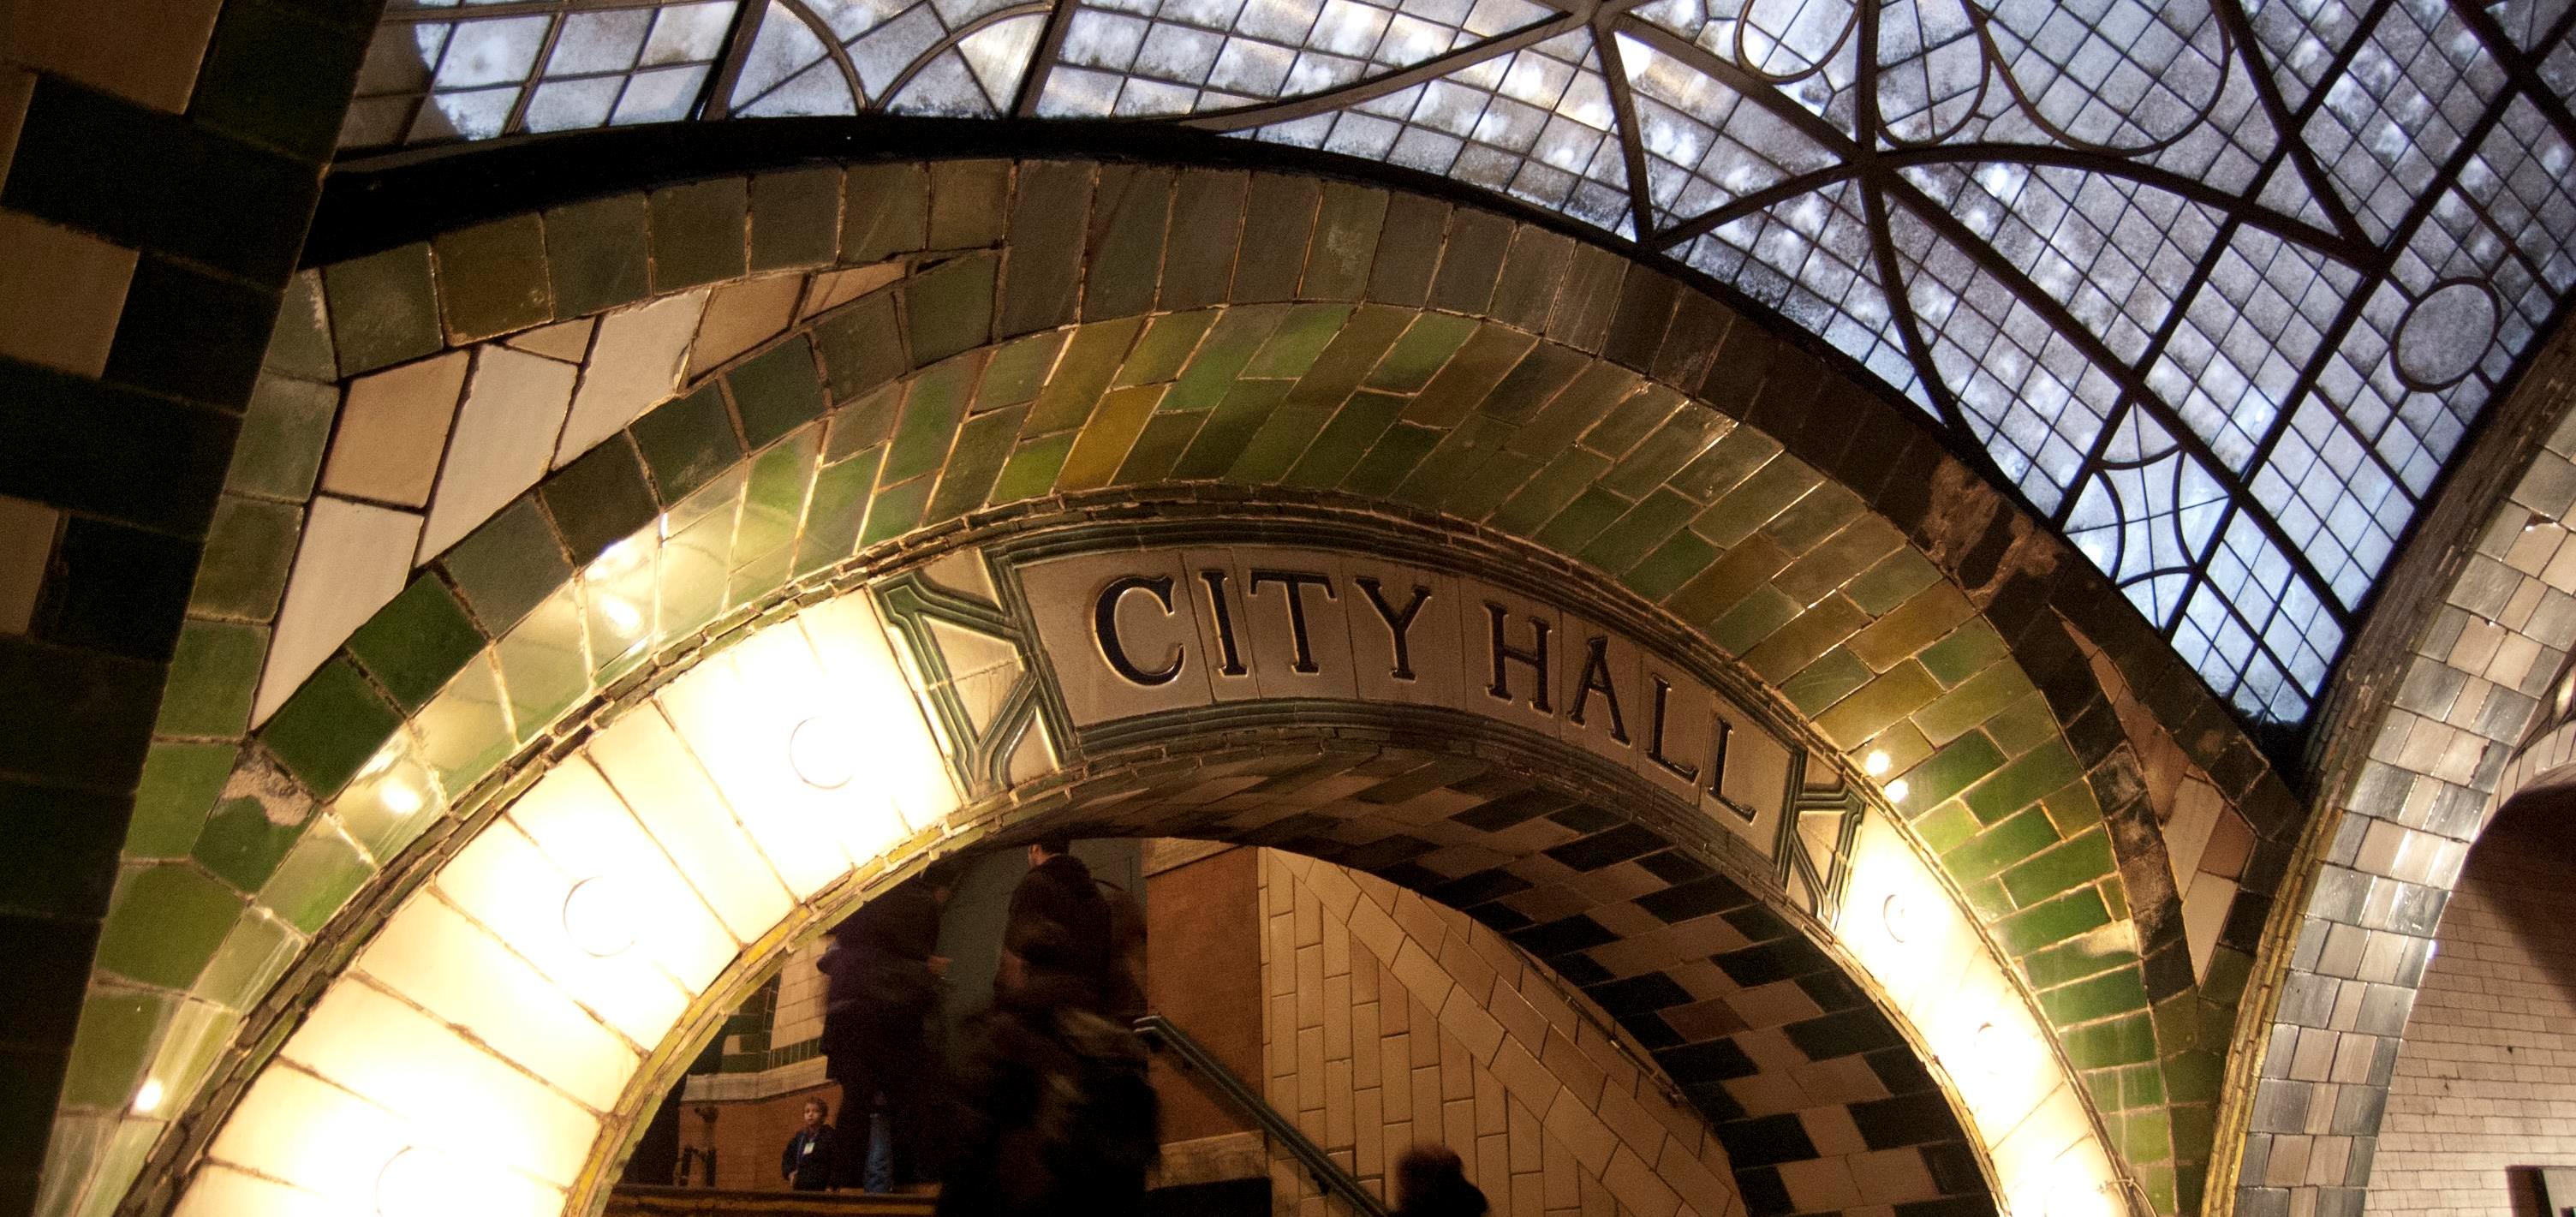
(1327, 1173)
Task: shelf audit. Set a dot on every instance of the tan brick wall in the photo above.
(1392, 1020)
(2486, 1077)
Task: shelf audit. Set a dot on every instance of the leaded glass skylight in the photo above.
(2217, 286)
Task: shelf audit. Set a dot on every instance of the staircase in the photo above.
(634, 1201)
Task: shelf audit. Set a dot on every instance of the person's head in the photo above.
(1429, 1178)
(1049, 847)
(816, 1112)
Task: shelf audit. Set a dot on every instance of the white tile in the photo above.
(26, 545)
(635, 363)
(353, 559)
(511, 416)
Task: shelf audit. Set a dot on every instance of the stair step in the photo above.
(636, 1201)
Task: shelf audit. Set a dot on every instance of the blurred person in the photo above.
(884, 982)
(1430, 1181)
(807, 1164)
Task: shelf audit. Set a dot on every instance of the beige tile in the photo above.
(568, 341)
(1892, 1176)
(634, 364)
(61, 293)
(17, 85)
(26, 546)
(833, 290)
(392, 430)
(2204, 914)
(151, 56)
(741, 316)
(353, 558)
(509, 421)
(1819, 1184)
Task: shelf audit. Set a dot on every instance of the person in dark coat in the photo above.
(884, 983)
(1430, 1181)
(807, 1164)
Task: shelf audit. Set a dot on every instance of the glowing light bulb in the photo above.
(1875, 764)
(400, 798)
(148, 1099)
(598, 917)
(621, 613)
(822, 751)
(1897, 790)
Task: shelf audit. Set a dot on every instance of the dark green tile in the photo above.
(1091, 358)
(884, 213)
(166, 922)
(1467, 380)
(949, 307)
(2024, 781)
(895, 511)
(1126, 241)
(2001, 846)
(242, 846)
(178, 788)
(1158, 447)
(686, 442)
(1045, 260)
(698, 233)
(1032, 469)
(1756, 617)
(1103, 442)
(968, 203)
(599, 500)
(861, 347)
(776, 391)
(1539, 378)
(250, 546)
(863, 424)
(277, 75)
(1725, 464)
(1354, 430)
(119, 1028)
(492, 278)
(1672, 564)
(1408, 248)
(1346, 228)
(1275, 447)
(1636, 534)
(2081, 860)
(1951, 770)
(1165, 347)
(983, 445)
(1820, 628)
(2116, 992)
(1274, 250)
(1445, 471)
(1893, 580)
(1490, 484)
(1805, 524)
(1570, 473)
(2123, 1041)
(1426, 346)
(212, 677)
(1626, 425)
(1471, 261)
(506, 566)
(321, 874)
(2073, 961)
(795, 218)
(1664, 452)
(1597, 390)
(2054, 922)
(416, 642)
(1231, 428)
(1738, 513)
(383, 308)
(1206, 233)
(1300, 339)
(1525, 293)
(328, 729)
(596, 254)
(1896, 693)
(283, 436)
(928, 426)
(1826, 681)
(1394, 456)
(1018, 370)
(1221, 356)
(1581, 520)
(1728, 580)
(838, 506)
(1980, 698)
(300, 346)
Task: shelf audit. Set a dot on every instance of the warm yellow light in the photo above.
(1897, 914)
(148, 1099)
(418, 1182)
(1897, 790)
(400, 799)
(599, 918)
(824, 751)
(1875, 764)
(622, 558)
(621, 613)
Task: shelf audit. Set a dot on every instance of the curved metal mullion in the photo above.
(1632, 138)
(2267, 91)
(958, 35)
(717, 99)
(514, 8)
(2517, 66)
(1042, 60)
(1882, 244)
(1358, 91)
(1751, 87)
(840, 54)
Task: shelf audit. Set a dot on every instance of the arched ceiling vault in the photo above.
(2216, 288)
(773, 374)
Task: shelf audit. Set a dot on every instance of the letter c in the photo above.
(1104, 628)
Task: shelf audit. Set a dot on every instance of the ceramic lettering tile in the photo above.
(511, 416)
(634, 363)
(392, 430)
(355, 556)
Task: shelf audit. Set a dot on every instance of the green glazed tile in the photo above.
(1091, 359)
(300, 346)
(1727, 581)
(1914, 625)
(1363, 340)
(1221, 357)
(507, 565)
(283, 436)
(2023, 725)
(1946, 827)
(392, 800)
(1953, 769)
(1103, 443)
(329, 728)
(1271, 450)
(2054, 922)
(249, 548)
(1963, 708)
(1841, 558)
(753, 580)
(544, 665)
(190, 1045)
(242, 845)
(1968, 650)
(1158, 447)
(1032, 469)
(1525, 293)
(599, 499)
(212, 675)
(776, 391)
(927, 428)
(1821, 627)
(1663, 453)
(1596, 391)
(1274, 250)
(2194, 1077)
(885, 212)
(685, 442)
(1444, 472)
(165, 924)
(698, 233)
(1018, 370)
(492, 278)
(1726, 463)
(2083, 859)
(863, 424)
(1824, 682)
(383, 308)
(1408, 247)
(253, 955)
(1471, 261)
(2121, 991)
(2024, 781)
(968, 201)
(1581, 520)
(895, 511)
(1753, 619)
(1426, 346)
(416, 642)
(1128, 211)
(1805, 524)
(1896, 693)
(1626, 425)
(861, 346)
(597, 255)
(1491, 483)
(1390, 459)
(1165, 348)
(1353, 431)
(64, 858)
(774, 498)
(179, 785)
(983, 445)
(619, 590)
(1302, 337)
(1664, 571)
(1346, 229)
(795, 218)
(838, 507)
(1539, 378)
(119, 1029)
(2001, 846)
(1753, 503)
(321, 874)
(949, 307)
(463, 731)
(2068, 962)
(1467, 380)
(1048, 213)
(1627, 542)
(698, 555)
(2123, 1041)
(1567, 475)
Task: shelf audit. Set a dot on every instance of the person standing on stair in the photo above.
(1430, 1181)
(884, 983)
(807, 1164)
